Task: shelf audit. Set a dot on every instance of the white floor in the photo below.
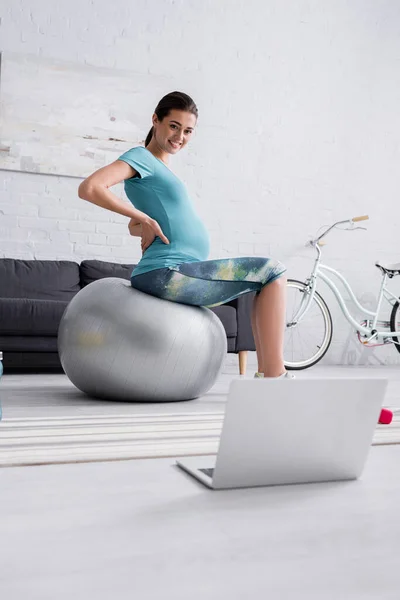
(144, 529)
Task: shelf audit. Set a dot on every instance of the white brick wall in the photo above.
(299, 127)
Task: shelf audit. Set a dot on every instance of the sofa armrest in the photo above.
(243, 305)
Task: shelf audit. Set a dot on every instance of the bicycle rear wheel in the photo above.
(395, 324)
(308, 340)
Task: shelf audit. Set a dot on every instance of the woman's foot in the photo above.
(285, 375)
(258, 375)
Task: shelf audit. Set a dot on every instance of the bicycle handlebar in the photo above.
(353, 220)
(364, 218)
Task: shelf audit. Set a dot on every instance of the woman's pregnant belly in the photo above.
(188, 239)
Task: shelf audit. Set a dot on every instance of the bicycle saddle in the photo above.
(390, 270)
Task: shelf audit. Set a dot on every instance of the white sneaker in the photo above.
(286, 375)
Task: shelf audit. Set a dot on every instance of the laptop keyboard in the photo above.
(208, 472)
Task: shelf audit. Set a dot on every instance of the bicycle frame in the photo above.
(318, 272)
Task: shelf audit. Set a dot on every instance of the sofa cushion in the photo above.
(28, 343)
(39, 279)
(91, 270)
(32, 362)
(26, 316)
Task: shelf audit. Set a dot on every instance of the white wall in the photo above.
(299, 127)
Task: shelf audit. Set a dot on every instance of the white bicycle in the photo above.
(309, 324)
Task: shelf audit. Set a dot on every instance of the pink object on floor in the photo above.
(386, 416)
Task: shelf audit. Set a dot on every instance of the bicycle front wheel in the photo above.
(308, 340)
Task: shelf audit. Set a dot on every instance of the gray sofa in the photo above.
(35, 293)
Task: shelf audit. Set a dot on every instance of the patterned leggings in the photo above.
(211, 282)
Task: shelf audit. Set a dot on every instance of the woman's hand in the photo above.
(150, 230)
(135, 228)
(148, 237)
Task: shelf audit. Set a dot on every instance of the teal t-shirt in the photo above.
(163, 196)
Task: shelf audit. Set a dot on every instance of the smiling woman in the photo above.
(175, 131)
(175, 241)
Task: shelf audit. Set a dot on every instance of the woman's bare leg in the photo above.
(255, 334)
(270, 319)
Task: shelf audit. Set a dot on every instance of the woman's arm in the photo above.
(95, 189)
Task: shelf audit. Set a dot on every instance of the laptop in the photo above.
(286, 431)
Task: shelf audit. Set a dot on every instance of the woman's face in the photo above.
(174, 131)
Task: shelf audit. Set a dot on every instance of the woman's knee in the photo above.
(279, 282)
(281, 279)
(278, 272)
(277, 277)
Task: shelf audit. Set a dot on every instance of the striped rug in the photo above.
(69, 439)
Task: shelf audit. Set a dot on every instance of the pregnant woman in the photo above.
(174, 240)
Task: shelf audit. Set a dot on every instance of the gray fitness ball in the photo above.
(118, 343)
